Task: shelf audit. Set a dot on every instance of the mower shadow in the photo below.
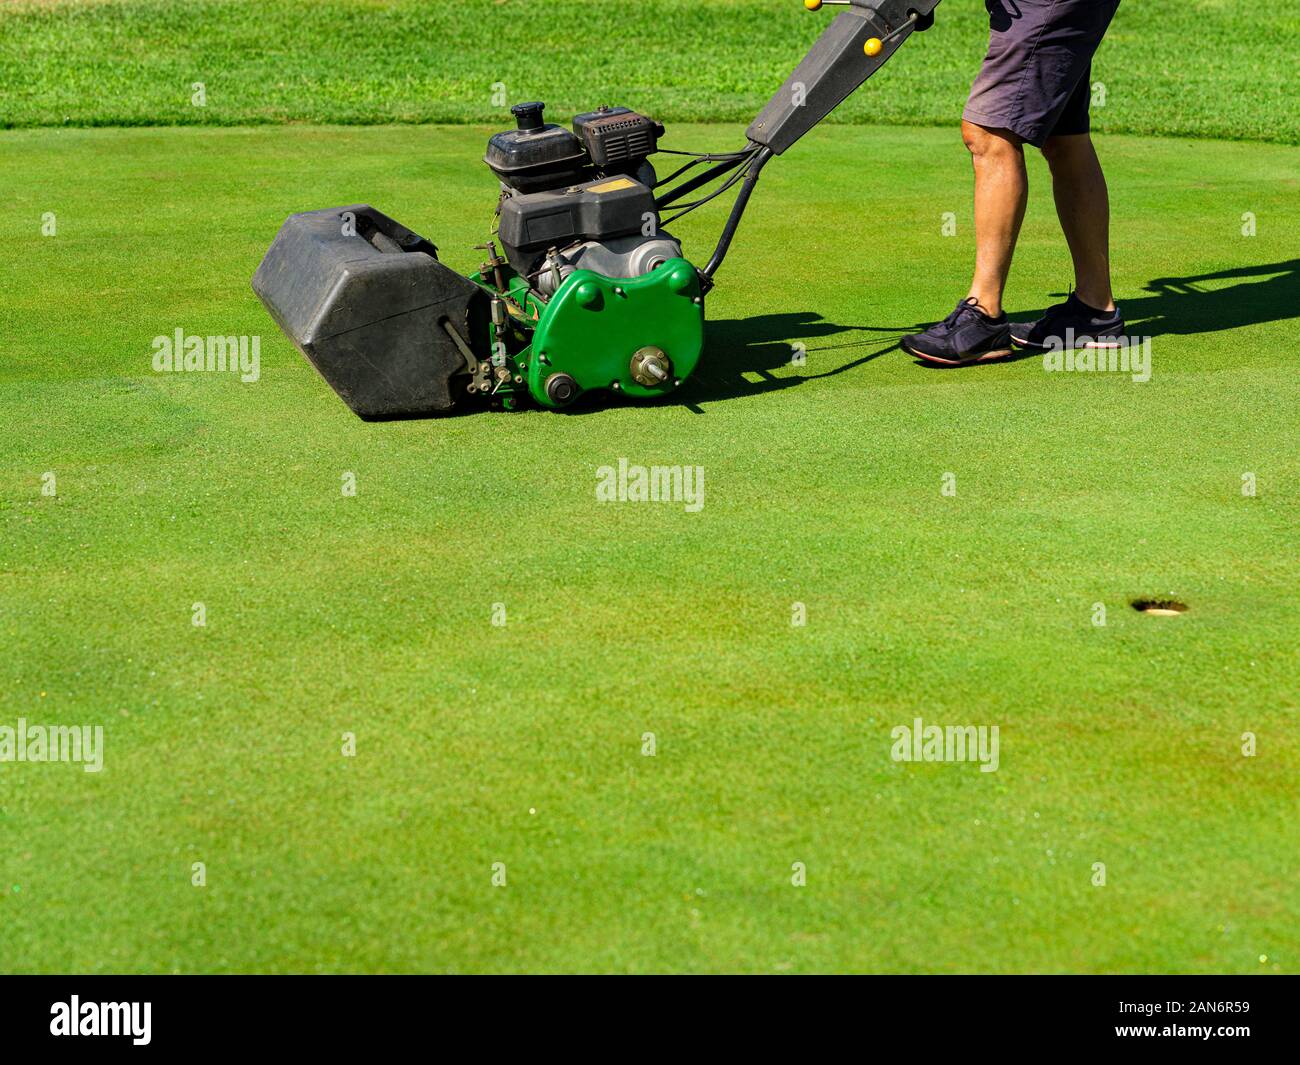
(734, 347)
(760, 345)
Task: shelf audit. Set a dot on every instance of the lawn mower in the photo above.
(588, 289)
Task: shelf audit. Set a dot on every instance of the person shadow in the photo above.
(1184, 306)
(1195, 304)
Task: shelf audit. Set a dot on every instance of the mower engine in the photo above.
(585, 293)
(604, 292)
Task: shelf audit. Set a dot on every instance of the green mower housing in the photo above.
(639, 336)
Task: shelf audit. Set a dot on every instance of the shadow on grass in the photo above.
(742, 355)
(757, 346)
(1183, 306)
(1180, 306)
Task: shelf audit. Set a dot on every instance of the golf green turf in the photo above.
(522, 744)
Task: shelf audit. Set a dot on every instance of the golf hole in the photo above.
(1161, 608)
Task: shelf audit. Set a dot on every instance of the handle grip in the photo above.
(838, 62)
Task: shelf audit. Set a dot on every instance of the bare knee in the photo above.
(984, 143)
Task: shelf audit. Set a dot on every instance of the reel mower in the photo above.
(588, 289)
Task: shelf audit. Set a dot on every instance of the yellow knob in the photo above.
(873, 45)
(812, 5)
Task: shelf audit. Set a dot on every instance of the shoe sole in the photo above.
(988, 356)
(1027, 343)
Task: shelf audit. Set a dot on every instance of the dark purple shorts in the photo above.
(1035, 79)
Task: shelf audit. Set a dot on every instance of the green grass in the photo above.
(1182, 67)
(371, 614)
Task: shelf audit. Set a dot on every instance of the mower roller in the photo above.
(588, 291)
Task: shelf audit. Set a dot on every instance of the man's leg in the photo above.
(1083, 206)
(1001, 190)
(1089, 318)
(977, 329)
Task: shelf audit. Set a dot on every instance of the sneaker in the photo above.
(1072, 324)
(966, 335)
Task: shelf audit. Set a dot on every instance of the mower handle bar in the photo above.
(852, 48)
